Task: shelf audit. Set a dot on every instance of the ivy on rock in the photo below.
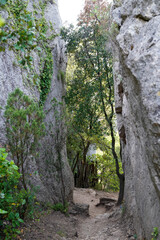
(46, 76)
(26, 33)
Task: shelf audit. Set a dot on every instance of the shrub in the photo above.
(60, 207)
(24, 126)
(155, 233)
(12, 200)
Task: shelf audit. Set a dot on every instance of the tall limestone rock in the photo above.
(136, 52)
(50, 171)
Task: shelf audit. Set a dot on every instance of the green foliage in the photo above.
(90, 90)
(24, 127)
(90, 93)
(103, 160)
(12, 200)
(113, 31)
(61, 76)
(19, 31)
(46, 59)
(93, 66)
(25, 32)
(83, 122)
(108, 179)
(46, 76)
(155, 233)
(2, 22)
(83, 106)
(60, 207)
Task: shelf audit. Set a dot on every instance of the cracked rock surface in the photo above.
(136, 51)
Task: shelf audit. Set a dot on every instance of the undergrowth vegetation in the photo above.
(60, 207)
(24, 127)
(15, 201)
(155, 233)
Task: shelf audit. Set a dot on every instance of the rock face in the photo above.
(50, 171)
(136, 52)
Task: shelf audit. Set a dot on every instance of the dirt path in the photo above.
(99, 225)
(92, 198)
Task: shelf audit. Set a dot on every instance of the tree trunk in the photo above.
(121, 191)
(76, 162)
(109, 121)
(81, 180)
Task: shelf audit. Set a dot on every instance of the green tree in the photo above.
(84, 118)
(88, 44)
(24, 127)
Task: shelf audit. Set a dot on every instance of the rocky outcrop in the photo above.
(50, 171)
(137, 95)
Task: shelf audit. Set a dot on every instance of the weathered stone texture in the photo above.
(51, 166)
(137, 91)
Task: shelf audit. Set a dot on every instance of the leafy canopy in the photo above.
(90, 88)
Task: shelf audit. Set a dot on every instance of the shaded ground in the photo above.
(99, 225)
(92, 197)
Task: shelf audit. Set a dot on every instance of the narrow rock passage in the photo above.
(99, 225)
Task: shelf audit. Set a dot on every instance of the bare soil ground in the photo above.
(99, 225)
